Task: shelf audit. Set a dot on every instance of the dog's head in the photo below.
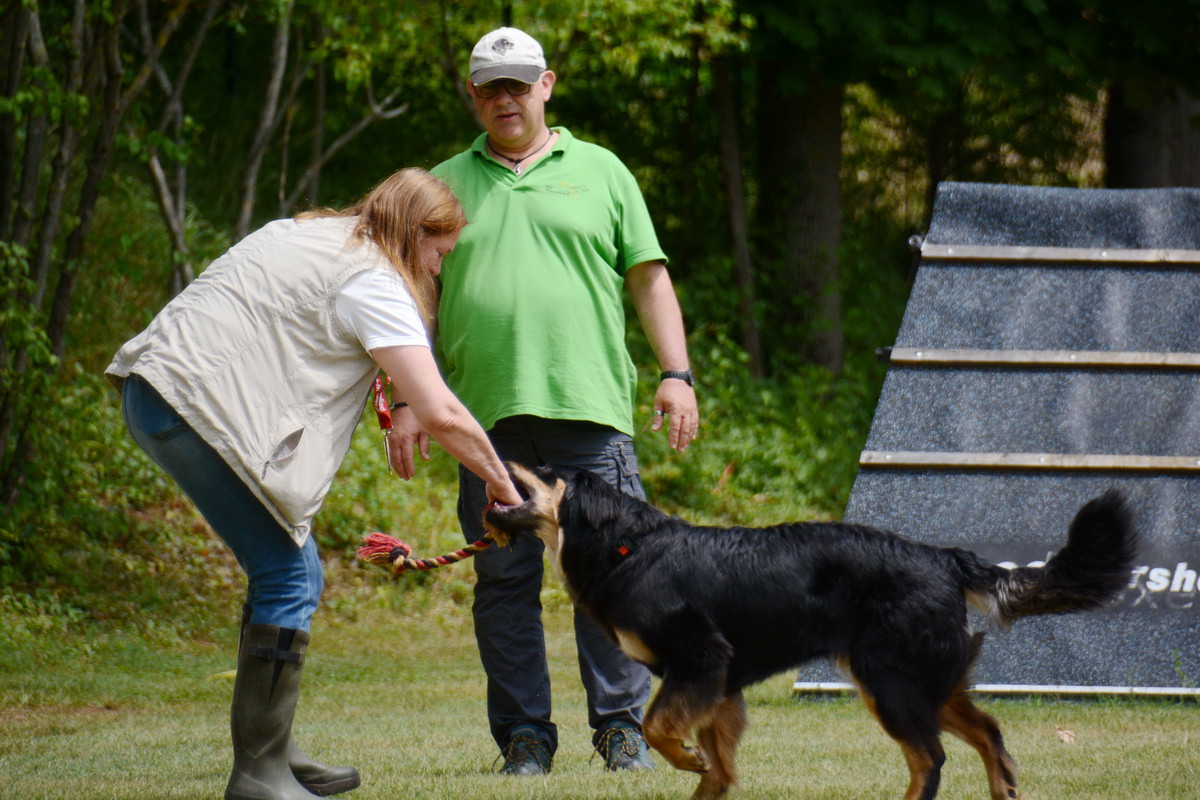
(539, 515)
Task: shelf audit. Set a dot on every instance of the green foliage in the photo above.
(90, 511)
(93, 514)
(19, 323)
(126, 275)
(769, 451)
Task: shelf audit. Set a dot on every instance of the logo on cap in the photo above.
(502, 46)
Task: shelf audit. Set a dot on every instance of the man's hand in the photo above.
(676, 401)
(405, 433)
(658, 311)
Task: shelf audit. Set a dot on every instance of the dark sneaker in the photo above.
(526, 753)
(623, 746)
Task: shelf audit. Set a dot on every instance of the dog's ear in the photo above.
(590, 503)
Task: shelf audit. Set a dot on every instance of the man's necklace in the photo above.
(516, 162)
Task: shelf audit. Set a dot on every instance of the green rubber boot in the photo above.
(270, 661)
(320, 779)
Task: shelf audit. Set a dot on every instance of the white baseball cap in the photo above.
(507, 53)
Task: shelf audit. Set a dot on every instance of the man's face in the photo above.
(514, 121)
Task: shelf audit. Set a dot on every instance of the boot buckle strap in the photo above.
(268, 653)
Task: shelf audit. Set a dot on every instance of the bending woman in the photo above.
(246, 389)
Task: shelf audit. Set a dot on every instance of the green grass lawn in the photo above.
(401, 696)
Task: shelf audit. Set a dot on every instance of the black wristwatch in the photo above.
(683, 375)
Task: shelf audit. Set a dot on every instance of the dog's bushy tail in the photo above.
(1090, 571)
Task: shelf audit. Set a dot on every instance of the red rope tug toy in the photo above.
(379, 548)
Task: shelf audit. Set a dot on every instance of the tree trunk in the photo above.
(267, 122)
(171, 192)
(25, 212)
(89, 54)
(27, 365)
(16, 25)
(688, 136)
(109, 112)
(317, 145)
(799, 211)
(69, 139)
(448, 56)
(375, 111)
(731, 170)
(945, 140)
(1152, 138)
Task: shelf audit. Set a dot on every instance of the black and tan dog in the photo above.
(713, 610)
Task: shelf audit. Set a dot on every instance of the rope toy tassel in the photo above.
(378, 548)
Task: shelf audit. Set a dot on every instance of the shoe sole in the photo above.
(333, 787)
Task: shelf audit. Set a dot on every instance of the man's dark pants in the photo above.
(508, 608)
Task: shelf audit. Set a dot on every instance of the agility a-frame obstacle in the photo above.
(1050, 350)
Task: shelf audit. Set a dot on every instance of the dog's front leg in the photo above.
(673, 714)
(694, 658)
(679, 755)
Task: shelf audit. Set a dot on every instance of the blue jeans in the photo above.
(508, 609)
(285, 581)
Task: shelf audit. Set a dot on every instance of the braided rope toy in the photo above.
(379, 548)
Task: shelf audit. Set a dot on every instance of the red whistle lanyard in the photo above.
(382, 411)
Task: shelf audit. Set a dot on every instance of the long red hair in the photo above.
(405, 206)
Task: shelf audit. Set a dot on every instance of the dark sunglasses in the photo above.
(492, 88)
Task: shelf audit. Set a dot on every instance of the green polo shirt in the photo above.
(532, 319)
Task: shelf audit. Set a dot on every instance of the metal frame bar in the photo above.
(1102, 255)
(1042, 358)
(807, 687)
(900, 459)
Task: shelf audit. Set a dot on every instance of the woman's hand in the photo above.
(402, 436)
(437, 412)
(503, 492)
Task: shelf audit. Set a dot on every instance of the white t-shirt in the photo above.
(378, 307)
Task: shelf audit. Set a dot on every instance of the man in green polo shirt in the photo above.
(531, 329)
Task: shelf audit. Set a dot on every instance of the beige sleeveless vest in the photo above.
(254, 357)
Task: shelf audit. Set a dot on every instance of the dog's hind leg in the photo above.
(719, 737)
(924, 769)
(910, 720)
(960, 717)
